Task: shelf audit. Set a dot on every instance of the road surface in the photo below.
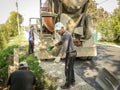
(107, 56)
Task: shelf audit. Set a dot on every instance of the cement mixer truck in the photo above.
(72, 13)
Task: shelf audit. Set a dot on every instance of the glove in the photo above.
(57, 59)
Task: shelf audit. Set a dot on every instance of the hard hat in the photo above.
(23, 64)
(58, 26)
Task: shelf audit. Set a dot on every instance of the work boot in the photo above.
(65, 86)
(73, 83)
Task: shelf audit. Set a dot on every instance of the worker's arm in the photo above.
(61, 41)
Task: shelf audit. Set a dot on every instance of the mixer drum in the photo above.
(69, 6)
(48, 22)
(72, 6)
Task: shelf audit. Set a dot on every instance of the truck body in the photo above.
(72, 13)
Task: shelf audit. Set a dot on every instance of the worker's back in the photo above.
(22, 80)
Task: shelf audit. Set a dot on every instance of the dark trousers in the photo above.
(31, 47)
(69, 69)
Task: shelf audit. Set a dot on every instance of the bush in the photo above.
(4, 53)
(4, 61)
(43, 81)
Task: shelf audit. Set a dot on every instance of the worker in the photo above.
(22, 79)
(68, 48)
(31, 40)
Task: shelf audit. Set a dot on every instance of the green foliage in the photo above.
(96, 13)
(13, 24)
(4, 58)
(104, 26)
(9, 29)
(118, 2)
(3, 36)
(43, 80)
(116, 23)
(102, 21)
(3, 61)
(35, 68)
(110, 26)
(4, 53)
(33, 63)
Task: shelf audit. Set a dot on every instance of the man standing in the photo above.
(31, 40)
(22, 79)
(68, 49)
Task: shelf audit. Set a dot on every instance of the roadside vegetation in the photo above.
(10, 39)
(9, 29)
(110, 27)
(108, 24)
(4, 55)
(18, 42)
(43, 80)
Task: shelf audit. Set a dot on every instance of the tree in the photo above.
(9, 29)
(104, 26)
(118, 2)
(3, 36)
(12, 23)
(115, 24)
(96, 13)
(110, 26)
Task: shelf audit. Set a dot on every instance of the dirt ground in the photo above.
(107, 57)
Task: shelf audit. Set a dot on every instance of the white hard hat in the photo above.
(23, 64)
(58, 26)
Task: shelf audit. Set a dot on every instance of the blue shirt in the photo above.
(31, 35)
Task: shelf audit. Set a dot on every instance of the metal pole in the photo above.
(18, 18)
(40, 17)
